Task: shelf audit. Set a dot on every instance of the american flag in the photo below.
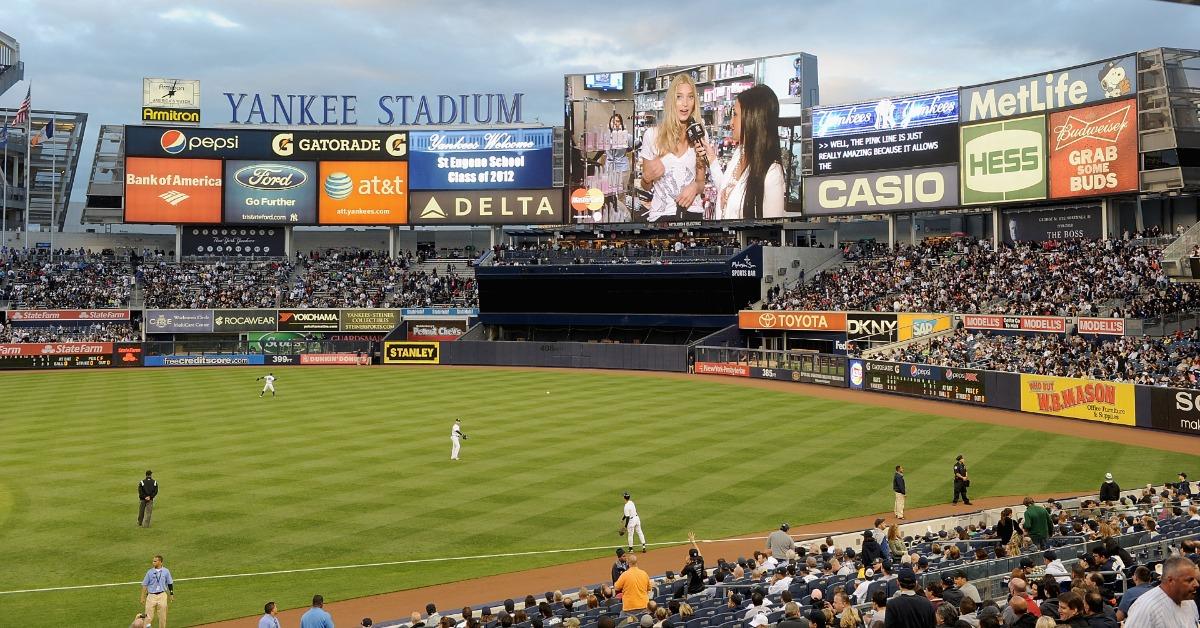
(22, 111)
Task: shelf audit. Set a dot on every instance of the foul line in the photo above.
(413, 561)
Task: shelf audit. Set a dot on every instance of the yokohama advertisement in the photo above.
(1048, 324)
(67, 315)
(1094, 150)
(1091, 400)
(1175, 410)
(792, 321)
(309, 320)
(722, 368)
(57, 348)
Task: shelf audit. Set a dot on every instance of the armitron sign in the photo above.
(794, 321)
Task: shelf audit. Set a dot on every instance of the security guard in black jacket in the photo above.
(147, 491)
(961, 480)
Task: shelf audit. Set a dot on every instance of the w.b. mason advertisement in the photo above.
(236, 242)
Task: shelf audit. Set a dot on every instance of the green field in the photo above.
(350, 466)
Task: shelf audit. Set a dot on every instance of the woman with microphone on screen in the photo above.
(752, 185)
(672, 169)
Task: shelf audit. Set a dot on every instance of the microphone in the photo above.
(695, 135)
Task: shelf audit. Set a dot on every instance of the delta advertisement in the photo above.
(877, 192)
(1059, 89)
(1094, 150)
(363, 193)
(258, 192)
(917, 325)
(889, 133)
(492, 159)
(786, 320)
(478, 207)
(1175, 410)
(1091, 400)
(1004, 161)
(235, 242)
(185, 191)
(411, 352)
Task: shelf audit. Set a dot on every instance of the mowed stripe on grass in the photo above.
(350, 465)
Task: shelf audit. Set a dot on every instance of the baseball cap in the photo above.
(620, 551)
(625, 494)
(693, 552)
(1026, 563)
(1108, 476)
(923, 562)
(784, 526)
(907, 575)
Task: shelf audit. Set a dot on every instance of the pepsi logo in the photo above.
(173, 141)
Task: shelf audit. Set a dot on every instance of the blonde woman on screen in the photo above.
(752, 185)
(671, 168)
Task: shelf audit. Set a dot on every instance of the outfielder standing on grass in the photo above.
(269, 378)
(630, 522)
(455, 435)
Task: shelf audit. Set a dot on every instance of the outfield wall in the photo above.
(597, 355)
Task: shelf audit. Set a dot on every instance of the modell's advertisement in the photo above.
(1094, 150)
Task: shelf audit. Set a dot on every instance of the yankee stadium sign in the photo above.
(392, 110)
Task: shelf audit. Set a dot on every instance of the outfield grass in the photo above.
(351, 466)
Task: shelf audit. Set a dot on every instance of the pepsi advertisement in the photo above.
(886, 134)
(266, 192)
(192, 143)
(493, 159)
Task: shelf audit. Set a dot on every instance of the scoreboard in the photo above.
(55, 361)
(919, 380)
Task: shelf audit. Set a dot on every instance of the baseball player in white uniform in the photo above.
(268, 384)
(632, 522)
(455, 435)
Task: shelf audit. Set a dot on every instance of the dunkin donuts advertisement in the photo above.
(1094, 150)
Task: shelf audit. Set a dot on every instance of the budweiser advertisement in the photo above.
(56, 348)
(1094, 150)
(786, 320)
(172, 190)
(67, 315)
(1048, 324)
(1103, 326)
(722, 368)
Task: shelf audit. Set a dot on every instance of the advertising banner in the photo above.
(37, 316)
(439, 311)
(194, 143)
(800, 376)
(234, 359)
(489, 159)
(263, 192)
(334, 359)
(490, 207)
(244, 320)
(56, 348)
(747, 264)
(363, 193)
(1102, 326)
(1048, 324)
(786, 320)
(1053, 224)
(127, 354)
(1092, 400)
(918, 325)
(1004, 161)
(309, 320)
(178, 321)
(1114, 78)
(170, 115)
(890, 133)
(877, 192)
(1175, 410)
(1094, 150)
(921, 380)
(369, 320)
(411, 352)
(857, 375)
(722, 368)
(340, 145)
(872, 327)
(172, 190)
(231, 241)
(440, 330)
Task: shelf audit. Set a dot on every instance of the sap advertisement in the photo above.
(261, 192)
(1060, 89)
(889, 133)
(511, 159)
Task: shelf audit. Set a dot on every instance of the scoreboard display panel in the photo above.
(55, 361)
(923, 380)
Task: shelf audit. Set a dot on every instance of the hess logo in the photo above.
(1004, 161)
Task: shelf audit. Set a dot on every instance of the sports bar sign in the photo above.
(786, 320)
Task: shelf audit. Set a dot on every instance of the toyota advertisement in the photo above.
(264, 192)
(492, 159)
(168, 191)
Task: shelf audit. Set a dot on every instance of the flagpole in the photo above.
(53, 185)
(28, 154)
(4, 211)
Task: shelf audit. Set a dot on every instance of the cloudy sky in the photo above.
(91, 55)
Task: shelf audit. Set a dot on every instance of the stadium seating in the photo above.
(370, 279)
(74, 279)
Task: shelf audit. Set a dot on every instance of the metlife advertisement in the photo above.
(493, 159)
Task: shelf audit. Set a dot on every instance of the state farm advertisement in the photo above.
(67, 315)
(166, 191)
(1094, 150)
(722, 368)
(792, 321)
(56, 348)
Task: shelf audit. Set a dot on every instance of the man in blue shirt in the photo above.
(316, 617)
(1142, 582)
(157, 590)
(269, 618)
